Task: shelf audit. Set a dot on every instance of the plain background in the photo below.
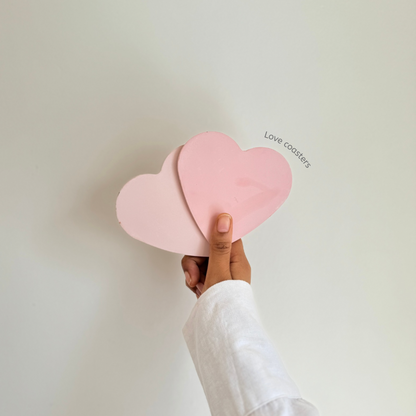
(95, 93)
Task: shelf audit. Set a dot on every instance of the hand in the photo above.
(226, 261)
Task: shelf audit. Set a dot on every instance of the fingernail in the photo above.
(200, 286)
(188, 278)
(198, 292)
(223, 224)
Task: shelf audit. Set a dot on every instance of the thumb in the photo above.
(220, 251)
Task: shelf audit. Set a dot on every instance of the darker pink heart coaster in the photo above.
(217, 176)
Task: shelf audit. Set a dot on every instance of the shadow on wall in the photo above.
(123, 355)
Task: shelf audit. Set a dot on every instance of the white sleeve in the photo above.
(239, 368)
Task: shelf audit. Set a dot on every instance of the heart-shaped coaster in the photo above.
(152, 208)
(217, 176)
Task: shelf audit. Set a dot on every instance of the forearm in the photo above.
(239, 368)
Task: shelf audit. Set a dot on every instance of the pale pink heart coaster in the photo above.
(152, 208)
(217, 176)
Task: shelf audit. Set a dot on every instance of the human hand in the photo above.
(226, 261)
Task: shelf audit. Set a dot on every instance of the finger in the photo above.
(239, 265)
(238, 254)
(220, 250)
(190, 266)
(197, 259)
(193, 289)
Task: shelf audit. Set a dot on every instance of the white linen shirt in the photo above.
(238, 367)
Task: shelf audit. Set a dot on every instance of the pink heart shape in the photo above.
(152, 208)
(217, 176)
